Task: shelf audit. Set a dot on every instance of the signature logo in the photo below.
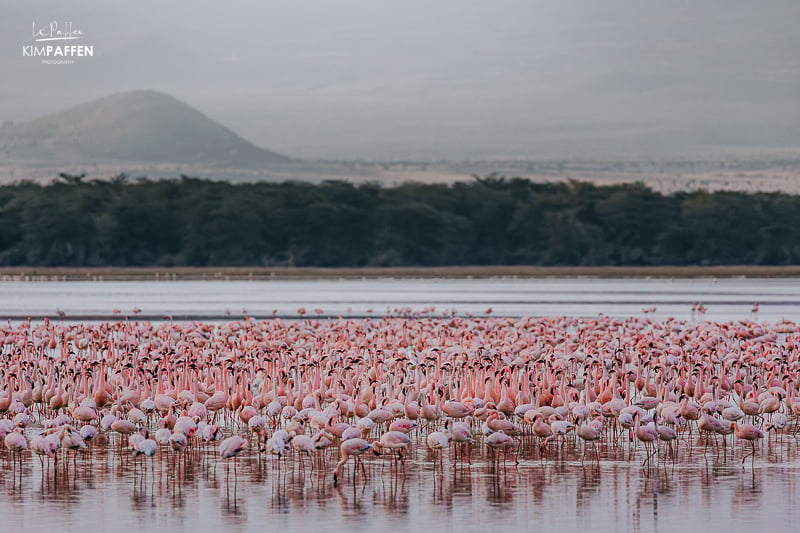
(54, 32)
(55, 48)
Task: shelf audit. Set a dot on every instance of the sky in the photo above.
(436, 79)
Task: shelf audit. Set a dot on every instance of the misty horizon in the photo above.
(353, 80)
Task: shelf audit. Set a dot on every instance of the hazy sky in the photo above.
(428, 79)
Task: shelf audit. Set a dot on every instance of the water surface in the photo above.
(109, 490)
(725, 299)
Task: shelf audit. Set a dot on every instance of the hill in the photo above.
(137, 126)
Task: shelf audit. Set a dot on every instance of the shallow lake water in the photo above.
(106, 489)
(725, 299)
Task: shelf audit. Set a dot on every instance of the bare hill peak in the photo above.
(141, 126)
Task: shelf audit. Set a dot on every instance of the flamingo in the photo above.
(749, 433)
(647, 435)
(499, 441)
(350, 448)
(394, 440)
(16, 443)
(145, 446)
(232, 447)
(588, 433)
(438, 441)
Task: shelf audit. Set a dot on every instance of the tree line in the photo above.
(487, 221)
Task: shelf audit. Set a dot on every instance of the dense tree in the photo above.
(488, 221)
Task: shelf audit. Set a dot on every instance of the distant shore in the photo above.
(466, 272)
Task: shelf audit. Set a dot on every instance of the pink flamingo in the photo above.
(351, 448)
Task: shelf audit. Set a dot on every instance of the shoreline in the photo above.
(310, 273)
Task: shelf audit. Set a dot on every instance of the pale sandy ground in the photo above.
(776, 172)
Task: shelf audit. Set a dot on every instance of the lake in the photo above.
(707, 486)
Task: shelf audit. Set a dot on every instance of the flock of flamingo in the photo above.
(342, 388)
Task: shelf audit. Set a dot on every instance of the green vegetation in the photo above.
(489, 221)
